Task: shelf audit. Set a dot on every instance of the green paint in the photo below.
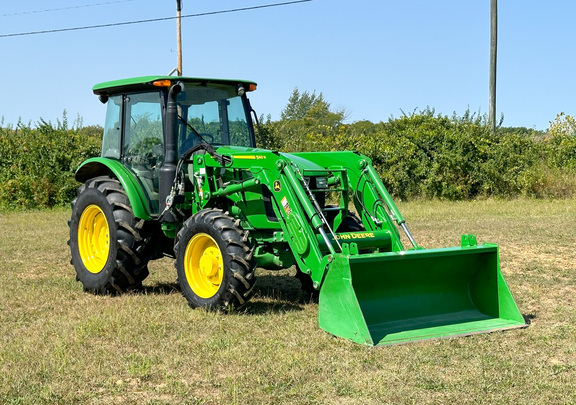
(372, 290)
(144, 83)
(101, 166)
(398, 297)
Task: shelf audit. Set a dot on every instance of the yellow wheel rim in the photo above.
(93, 239)
(203, 265)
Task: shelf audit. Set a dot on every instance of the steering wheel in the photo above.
(194, 140)
(207, 137)
(151, 158)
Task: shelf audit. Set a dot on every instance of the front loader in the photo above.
(180, 176)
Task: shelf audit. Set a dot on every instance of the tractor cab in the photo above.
(217, 115)
(146, 136)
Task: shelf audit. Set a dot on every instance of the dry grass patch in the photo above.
(60, 345)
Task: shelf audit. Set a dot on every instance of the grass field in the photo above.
(60, 345)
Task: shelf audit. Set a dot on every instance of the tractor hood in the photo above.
(255, 154)
(302, 163)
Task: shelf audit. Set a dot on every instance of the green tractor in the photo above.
(180, 176)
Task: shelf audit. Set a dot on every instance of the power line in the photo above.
(64, 8)
(20, 34)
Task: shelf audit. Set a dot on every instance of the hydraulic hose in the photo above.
(390, 203)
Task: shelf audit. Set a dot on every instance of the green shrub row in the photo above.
(419, 155)
(37, 165)
(424, 155)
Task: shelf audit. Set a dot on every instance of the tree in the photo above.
(563, 125)
(311, 107)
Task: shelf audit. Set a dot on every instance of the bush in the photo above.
(38, 164)
(424, 155)
(418, 155)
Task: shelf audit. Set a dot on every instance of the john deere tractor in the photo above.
(180, 176)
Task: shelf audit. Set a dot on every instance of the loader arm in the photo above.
(371, 289)
(302, 222)
(370, 197)
(296, 221)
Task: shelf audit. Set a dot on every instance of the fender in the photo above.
(99, 166)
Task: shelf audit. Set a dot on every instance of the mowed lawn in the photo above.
(59, 345)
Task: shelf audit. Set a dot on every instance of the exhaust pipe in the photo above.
(168, 169)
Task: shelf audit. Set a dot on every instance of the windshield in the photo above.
(215, 115)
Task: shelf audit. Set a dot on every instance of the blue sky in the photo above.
(373, 58)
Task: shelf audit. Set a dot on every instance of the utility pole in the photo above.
(179, 35)
(493, 52)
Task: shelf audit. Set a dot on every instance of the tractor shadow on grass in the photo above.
(273, 293)
(277, 293)
(160, 289)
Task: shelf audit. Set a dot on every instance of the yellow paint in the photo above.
(203, 265)
(93, 239)
(359, 235)
(249, 157)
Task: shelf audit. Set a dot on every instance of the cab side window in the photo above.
(111, 138)
(143, 151)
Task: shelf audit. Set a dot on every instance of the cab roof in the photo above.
(144, 83)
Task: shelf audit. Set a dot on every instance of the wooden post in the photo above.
(179, 34)
(493, 53)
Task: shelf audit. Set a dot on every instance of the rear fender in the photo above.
(102, 166)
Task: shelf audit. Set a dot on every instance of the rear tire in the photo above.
(214, 261)
(106, 240)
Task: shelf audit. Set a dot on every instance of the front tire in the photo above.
(106, 241)
(214, 261)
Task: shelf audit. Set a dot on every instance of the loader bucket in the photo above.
(398, 297)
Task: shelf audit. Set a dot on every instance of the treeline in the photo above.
(421, 155)
(424, 155)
